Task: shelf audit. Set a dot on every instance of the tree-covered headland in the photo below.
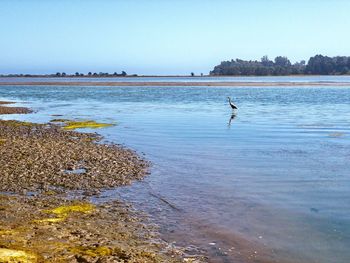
(280, 66)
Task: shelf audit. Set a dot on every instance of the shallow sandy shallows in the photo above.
(41, 167)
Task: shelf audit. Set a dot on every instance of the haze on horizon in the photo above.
(158, 37)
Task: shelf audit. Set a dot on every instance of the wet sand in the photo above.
(176, 84)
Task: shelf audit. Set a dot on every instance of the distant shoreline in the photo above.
(174, 84)
(206, 76)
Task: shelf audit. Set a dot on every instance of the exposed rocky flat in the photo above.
(47, 174)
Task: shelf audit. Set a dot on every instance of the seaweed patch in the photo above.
(62, 212)
(18, 256)
(72, 125)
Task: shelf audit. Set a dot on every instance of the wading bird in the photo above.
(233, 106)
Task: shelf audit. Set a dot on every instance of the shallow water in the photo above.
(272, 185)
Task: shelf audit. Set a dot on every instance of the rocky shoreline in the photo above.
(41, 221)
(12, 110)
(39, 157)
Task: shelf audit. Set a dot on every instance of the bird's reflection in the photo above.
(233, 115)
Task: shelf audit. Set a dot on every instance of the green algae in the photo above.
(7, 232)
(67, 209)
(72, 125)
(50, 220)
(62, 212)
(18, 256)
(92, 251)
(75, 124)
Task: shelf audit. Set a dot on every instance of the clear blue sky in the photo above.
(165, 36)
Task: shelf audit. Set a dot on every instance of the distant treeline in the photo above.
(317, 65)
(76, 74)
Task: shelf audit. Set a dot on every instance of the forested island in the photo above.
(281, 66)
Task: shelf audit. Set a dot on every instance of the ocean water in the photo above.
(270, 183)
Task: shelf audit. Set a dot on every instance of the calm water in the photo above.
(186, 79)
(272, 185)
